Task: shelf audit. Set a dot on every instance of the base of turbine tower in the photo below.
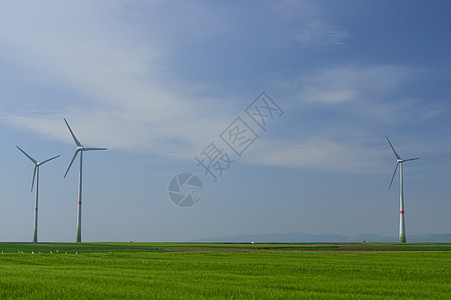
(402, 238)
(35, 236)
(78, 234)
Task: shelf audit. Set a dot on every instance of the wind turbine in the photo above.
(80, 149)
(402, 223)
(36, 175)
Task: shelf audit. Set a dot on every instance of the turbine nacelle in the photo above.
(400, 160)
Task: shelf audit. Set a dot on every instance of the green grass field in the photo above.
(241, 271)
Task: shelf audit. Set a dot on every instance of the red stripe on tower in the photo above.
(79, 202)
(401, 212)
(36, 208)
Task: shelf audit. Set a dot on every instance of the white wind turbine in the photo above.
(400, 161)
(36, 176)
(80, 149)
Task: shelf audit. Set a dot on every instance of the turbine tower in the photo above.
(80, 149)
(402, 223)
(36, 176)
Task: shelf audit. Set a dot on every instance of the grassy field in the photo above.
(249, 271)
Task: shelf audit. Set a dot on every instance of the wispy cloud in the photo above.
(320, 35)
(125, 99)
(347, 83)
(313, 29)
(120, 91)
(346, 112)
(323, 154)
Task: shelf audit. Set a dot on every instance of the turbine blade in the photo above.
(77, 142)
(49, 160)
(396, 168)
(88, 149)
(396, 154)
(34, 176)
(72, 161)
(411, 159)
(31, 158)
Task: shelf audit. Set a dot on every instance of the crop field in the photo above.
(240, 271)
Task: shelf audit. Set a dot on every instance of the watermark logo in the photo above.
(214, 161)
(263, 110)
(185, 189)
(233, 142)
(239, 136)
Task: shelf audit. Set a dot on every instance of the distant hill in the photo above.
(298, 237)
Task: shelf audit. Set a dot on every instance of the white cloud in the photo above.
(346, 83)
(329, 96)
(348, 109)
(128, 100)
(313, 29)
(320, 35)
(344, 156)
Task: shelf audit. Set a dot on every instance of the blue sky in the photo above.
(157, 81)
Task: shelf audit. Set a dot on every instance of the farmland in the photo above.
(252, 271)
